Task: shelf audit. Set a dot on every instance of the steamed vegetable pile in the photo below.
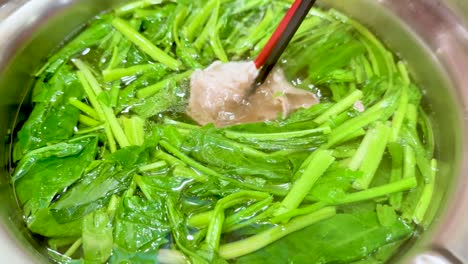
(110, 169)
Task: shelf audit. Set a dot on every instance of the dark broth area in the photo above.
(122, 173)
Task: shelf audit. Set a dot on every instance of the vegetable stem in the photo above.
(258, 241)
(117, 74)
(276, 136)
(145, 45)
(152, 89)
(426, 196)
(153, 166)
(93, 89)
(74, 248)
(373, 156)
(84, 108)
(319, 163)
(372, 193)
(88, 121)
(370, 115)
(400, 115)
(339, 107)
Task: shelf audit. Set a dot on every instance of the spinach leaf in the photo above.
(341, 239)
(334, 184)
(140, 225)
(92, 192)
(44, 223)
(45, 172)
(209, 147)
(53, 119)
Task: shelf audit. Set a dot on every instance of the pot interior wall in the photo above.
(27, 51)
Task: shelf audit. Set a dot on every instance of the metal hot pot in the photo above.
(432, 35)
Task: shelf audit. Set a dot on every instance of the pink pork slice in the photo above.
(219, 95)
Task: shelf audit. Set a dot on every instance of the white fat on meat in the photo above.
(219, 94)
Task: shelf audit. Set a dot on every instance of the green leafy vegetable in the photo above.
(110, 169)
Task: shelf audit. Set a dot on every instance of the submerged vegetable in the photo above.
(110, 168)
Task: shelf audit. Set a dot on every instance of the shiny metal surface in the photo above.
(430, 34)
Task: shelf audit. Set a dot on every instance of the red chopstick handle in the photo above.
(262, 57)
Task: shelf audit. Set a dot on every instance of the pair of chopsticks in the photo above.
(280, 39)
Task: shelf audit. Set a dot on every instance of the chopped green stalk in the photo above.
(400, 115)
(362, 151)
(185, 172)
(426, 196)
(134, 129)
(420, 154)
(428, 132)
(246, 213)
(113, 205)
(258, 241)
(153, 166)
(319, 163)
(354, 135)
(245, 44)
(367, 66)
(195, 26)
(143, 188)
(110, 138)
(376, 192)
(373, 156)
(201, 220)
(215, 227)
(91, 96)
(89, 130)
(74, 248)
(339, 107)
(372, 40)
(298, 212)
(84, 108)
(88, 121)
(372, 57)
(151, 90)
(93, 89)
(412, 116)
(132, 188)
(370, 115)
(409, 162)
(117, 130)
(215, 41)
(95, 103)
(261, 216)
(168, 121)
(403, 73)
(396, 152)
(171, 160)
(145, 45)
(114, 93)
(276, 136)
(128, 8)
(182, 13)
(117, 74)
